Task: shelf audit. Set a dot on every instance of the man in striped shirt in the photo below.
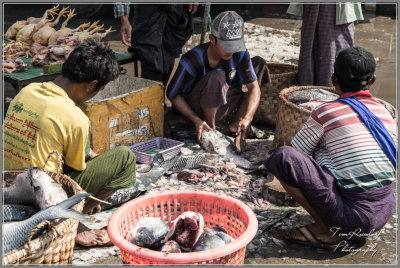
(336, 169)
(218, 78)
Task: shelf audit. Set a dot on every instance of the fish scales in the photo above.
(17, 212)
(15, 234)
(306, 95)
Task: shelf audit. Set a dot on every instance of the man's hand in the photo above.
(200, 126)
(243, 124)
(126, 30)
(193, 8)
(90, 156)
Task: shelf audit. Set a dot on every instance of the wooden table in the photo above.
(35, 74)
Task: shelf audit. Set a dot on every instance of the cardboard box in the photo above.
(128, 110)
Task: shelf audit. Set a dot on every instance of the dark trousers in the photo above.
(338, 208)
(158, 34)
(212, 91)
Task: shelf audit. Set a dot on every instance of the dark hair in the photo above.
(354, 68)
(91, 60)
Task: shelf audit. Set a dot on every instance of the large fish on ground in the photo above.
(17, 212)
(214, 141)
(15, 234)
(148, 233)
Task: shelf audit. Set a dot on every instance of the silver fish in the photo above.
(34, 187)
(47, 191)
(171, 246)
(186, 230)
(15, 234)
(20, 192)
(307, 95)
(214, 141)
(147, 233)
(208, 240)
(219, 231)
(17, 212)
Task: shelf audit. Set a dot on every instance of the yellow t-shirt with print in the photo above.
(41, 119)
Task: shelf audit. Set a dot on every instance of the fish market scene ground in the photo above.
(275, 36)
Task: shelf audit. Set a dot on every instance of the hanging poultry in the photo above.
(43, 34)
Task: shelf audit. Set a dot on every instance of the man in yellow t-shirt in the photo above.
(43, 118)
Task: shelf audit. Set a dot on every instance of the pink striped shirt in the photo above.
(342, 143)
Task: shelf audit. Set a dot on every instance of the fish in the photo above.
(20, 192)
(147, 233)
(171, 246)
(186, 230)
(47, 191)
(17, 212)
(311, 105)
(212, 238)
(214, 141)
(222, 234)
(307, 95)
(15, 234)
(34, 187)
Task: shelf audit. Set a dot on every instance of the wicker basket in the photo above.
(57, 244)
(290, 117)
(282, 76)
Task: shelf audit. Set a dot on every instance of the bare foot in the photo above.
(317, 231)
(90, 209)
(89, 238)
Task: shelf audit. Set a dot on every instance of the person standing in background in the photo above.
(157, 34)
(326, 28)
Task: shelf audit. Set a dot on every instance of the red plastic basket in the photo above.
(233, 215)
(167, 147)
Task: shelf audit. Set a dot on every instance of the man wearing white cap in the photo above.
(218, 79)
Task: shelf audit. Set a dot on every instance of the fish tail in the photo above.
(70, 213)
(70, 202)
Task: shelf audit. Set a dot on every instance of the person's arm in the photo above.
(90, 155)
(193, 8)
(248, 107)
(121, 10)
(182, 106)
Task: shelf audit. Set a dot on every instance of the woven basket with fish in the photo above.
(282, 76)
(55, 246)
(290, 116)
